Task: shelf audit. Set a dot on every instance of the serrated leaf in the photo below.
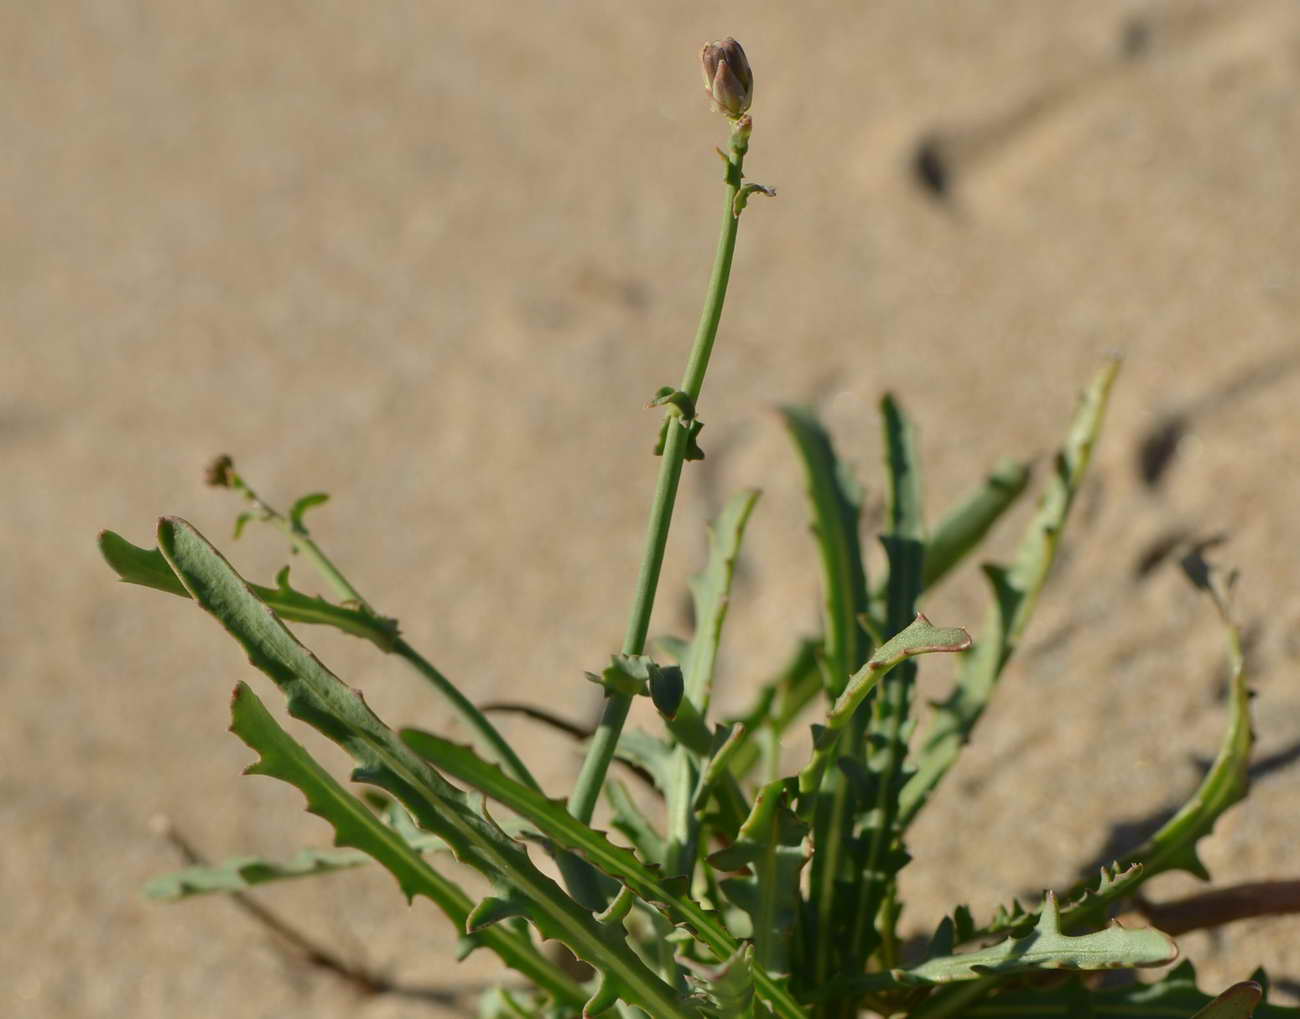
(1016, 591)
(148, 568)
(317, 696)
(282, 757)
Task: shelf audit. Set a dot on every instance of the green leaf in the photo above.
(905, 514)
(136, 565)
(627, 817)
(726, 990)
(1045, 947)
(880, 853)
(302, 505)
(771, 850)
(962, 529)
(239, 873)
(1016, 590)
(1237, 1002)
(626, 674)
(778, 704)
(1173, 847)
(1174, 997)
(922, 637)
(148, 568)
(727, 741)
(837, 505)
(280, 756)
(557, 824)
(318, 697)
(711, 590)
(678, 401)
(965, 526)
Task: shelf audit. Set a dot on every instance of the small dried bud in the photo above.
(220, 473)
(727, 77)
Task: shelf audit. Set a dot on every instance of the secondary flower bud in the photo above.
(727, 77)
(221, 472)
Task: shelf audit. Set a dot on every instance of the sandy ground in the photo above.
(433, 258)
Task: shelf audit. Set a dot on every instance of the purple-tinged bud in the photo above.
(727, 77)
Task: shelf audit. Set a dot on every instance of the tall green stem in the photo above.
(601, 750)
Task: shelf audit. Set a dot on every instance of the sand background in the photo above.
(433, 258)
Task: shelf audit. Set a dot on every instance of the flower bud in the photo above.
(727, 77)
(220, 473)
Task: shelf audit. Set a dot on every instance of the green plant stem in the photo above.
(477, 721)
(591, 779)
(303, 543)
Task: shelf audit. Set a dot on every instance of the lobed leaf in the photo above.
(551, 818)
(282, 757)
(1045, 947)
(1173, 847)
(317, 696)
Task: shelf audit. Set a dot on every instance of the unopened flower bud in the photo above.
(727, 77)
(220, 473)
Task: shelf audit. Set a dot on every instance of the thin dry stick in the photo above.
(1222, 906)
(359, 977)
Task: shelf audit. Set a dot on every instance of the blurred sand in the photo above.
(433, 258)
